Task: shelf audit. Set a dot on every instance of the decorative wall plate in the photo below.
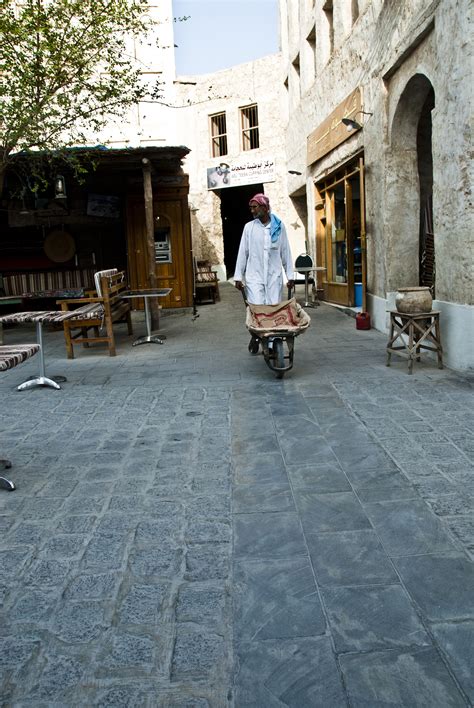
(59, 246)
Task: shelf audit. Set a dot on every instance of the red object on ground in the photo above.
(362, 320)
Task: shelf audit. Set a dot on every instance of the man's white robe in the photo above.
(260, 263)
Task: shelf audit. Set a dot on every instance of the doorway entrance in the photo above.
(340, 234)
(408, 212)
(235, 214)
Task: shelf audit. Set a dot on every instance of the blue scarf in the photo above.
(275, 227)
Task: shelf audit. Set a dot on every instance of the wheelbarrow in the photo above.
(274, 328)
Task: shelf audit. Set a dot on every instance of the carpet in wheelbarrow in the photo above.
(287, 316)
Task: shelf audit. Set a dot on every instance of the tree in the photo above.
(65, 70)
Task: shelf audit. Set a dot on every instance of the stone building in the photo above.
(378, 100)
(233, 122)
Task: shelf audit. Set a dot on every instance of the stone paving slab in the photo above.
(188, 531)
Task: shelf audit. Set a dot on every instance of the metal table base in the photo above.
(4, 482)
(42, 379)
(149, 337)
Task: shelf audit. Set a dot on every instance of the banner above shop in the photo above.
(238, 174)
(332, 131)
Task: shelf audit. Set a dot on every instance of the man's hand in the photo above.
(239, 284)
(290, 284)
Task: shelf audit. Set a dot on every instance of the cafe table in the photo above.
(146, 294)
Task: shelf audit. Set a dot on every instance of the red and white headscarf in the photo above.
(262, 200)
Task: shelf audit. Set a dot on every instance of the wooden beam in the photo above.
(150, 241)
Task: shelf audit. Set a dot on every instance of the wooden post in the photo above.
(150, 241)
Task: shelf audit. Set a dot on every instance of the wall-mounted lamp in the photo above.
(59, 187)
(294, 172)
(353, 124)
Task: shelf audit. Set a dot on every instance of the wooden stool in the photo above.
(419, 328)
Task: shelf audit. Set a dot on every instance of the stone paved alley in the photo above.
(190, 532)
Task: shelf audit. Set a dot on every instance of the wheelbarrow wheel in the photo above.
(279, 357)
(253, 345)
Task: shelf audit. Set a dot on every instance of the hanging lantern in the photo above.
(59, 187)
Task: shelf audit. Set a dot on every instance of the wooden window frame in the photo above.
(249, 127)
(218, 134)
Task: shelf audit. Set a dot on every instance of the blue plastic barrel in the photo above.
(358, 294)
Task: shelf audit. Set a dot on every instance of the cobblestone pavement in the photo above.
(190, 532)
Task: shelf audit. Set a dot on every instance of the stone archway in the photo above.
(408, 184)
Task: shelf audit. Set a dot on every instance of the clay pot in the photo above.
(415, 299)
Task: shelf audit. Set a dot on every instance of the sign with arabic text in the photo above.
(332, 131)
(238, 174)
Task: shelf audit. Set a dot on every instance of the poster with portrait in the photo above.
(238, 174)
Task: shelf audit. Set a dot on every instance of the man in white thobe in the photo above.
(264, 253)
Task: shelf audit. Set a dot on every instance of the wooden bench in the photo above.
(111, 308)
(206, 282)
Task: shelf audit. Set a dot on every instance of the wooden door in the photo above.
(340, 234)
(337, 246)
(173, 261)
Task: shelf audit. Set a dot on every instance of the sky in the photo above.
(222, 33)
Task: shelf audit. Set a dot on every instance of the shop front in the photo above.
(56, 234)
(340, 234)
(340, 203)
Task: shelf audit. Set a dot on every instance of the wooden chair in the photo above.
(206, 282)
(113, 309)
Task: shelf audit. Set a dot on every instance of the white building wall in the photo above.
(151, 122)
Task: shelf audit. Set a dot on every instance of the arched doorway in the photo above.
(409, 244)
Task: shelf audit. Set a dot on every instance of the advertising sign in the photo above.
(332, 131)
(238, 174)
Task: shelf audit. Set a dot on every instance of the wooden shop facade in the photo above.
(129, 210)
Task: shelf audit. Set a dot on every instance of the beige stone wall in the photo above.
(381, 51)
(397, 53)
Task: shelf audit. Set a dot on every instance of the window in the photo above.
(218, 135)
(311, 39)
(296, 76)
(250, 137)
(355, 10)
(328, 11)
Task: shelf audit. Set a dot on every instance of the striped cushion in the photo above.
(13, 355)
(93, 311)
(31, 283)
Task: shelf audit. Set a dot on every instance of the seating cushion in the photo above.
(12, 355)
(94, 311)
